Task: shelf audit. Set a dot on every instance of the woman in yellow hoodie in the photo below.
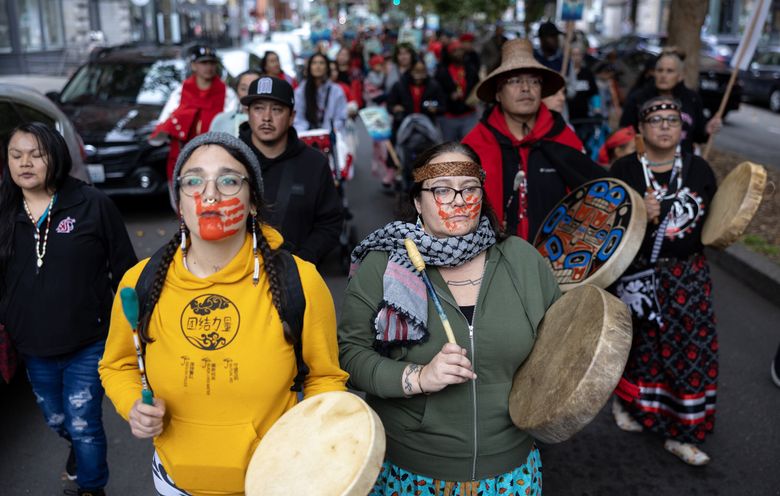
(217, 356)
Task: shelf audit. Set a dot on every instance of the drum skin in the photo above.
(734, 205)
(593, 234)
(580, 352)
(328, 445)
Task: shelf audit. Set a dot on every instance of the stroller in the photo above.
(339, 148)
(415, 134)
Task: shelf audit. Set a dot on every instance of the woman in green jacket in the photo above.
(445, 406)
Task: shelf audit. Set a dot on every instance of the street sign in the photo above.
(571, 10)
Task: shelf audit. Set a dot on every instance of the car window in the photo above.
(123, 83)
(9, 119)
(765, 58)
(160, 81)
(30, 114)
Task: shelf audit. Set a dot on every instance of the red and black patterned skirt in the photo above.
(674, 364)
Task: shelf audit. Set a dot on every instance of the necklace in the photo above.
(662, 192)
(658, 164)
(467, 282)
(40, 244)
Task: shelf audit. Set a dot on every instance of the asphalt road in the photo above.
(601, 460)
(753, 132)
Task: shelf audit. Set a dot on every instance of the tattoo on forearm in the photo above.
(407, 375)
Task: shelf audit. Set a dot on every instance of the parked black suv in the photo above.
(114, 101)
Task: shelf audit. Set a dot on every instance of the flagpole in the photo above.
(734, 73)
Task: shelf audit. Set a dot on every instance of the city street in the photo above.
(752, 132)
(601, 460)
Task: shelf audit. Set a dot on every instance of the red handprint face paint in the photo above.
(455, 217)
(219, 220)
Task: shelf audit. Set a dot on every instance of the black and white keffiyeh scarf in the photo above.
(403, 313)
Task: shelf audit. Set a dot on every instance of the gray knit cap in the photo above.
(227, 141)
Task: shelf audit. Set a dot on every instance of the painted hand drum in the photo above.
(734, 205)
(593, 234)
(581, 349)
(328, 445)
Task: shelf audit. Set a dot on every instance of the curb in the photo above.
(752, 269)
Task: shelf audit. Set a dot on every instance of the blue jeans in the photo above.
(69, 392)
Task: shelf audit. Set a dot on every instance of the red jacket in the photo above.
(193, 116)
(541, 188)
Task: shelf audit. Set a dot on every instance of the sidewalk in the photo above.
(37, 82)
(756, 271)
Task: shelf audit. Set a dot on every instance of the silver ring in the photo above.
(210, 201)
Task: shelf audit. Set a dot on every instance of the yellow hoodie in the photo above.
(220, 361)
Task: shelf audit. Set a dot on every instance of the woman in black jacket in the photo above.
(415, 93)
(457, 79)
(63, 250)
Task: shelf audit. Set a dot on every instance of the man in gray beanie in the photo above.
(302, 200)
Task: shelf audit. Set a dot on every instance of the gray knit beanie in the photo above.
(226, 141)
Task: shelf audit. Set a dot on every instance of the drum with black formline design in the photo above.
(593, 234)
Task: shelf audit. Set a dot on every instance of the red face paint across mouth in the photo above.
(451, 219)
(215, 221)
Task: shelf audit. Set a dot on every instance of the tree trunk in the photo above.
(686, 18)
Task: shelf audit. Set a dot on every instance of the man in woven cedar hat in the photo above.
(531, 157)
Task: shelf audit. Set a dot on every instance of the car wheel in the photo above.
(774, 100)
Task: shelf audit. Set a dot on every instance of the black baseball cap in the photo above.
(270, 88)
(548, 29)
(202, 53)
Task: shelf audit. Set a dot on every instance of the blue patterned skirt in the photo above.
(525, 480)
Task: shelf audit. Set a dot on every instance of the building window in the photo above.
(52, 24)
(40, 25)
(5, 28)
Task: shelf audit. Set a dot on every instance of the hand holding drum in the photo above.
(332, 444)
(734, 205)
(581, 349)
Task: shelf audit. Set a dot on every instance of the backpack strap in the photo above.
(293, 309)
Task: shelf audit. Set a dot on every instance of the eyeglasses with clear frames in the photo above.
(444, 195)
(657, 121)
(533, 82)
(226, 184)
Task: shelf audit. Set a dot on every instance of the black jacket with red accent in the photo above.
(66, 304)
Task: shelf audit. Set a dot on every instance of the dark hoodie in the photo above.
(311, 220)
(694, 124)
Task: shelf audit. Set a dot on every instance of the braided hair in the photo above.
(272, 264)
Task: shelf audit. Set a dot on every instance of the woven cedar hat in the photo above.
(518, 54)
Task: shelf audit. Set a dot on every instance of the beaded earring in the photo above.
(256, 273)
(183, 244)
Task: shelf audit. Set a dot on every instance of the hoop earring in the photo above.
(256, 273)
(419, 221)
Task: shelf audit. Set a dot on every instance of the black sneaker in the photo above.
(85, 492)
(776, 368)
(91, 492)
(70, 465)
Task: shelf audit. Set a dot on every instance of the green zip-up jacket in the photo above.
(462, 432)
